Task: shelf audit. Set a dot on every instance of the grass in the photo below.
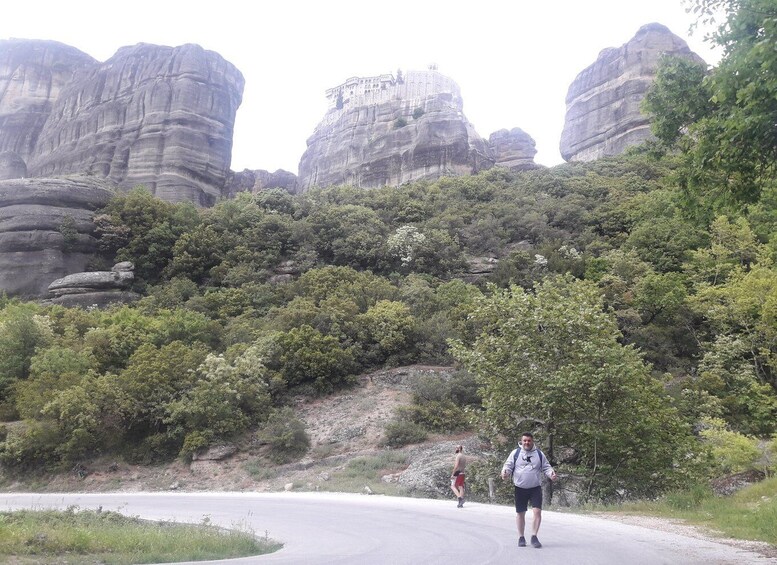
(368, 471)
(750, 514)
(49, 536)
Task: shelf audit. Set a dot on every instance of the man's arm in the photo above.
(509, 466)
(547, 469)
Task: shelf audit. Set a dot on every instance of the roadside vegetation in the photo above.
(629, 319)
(48, 536)
(749, 514)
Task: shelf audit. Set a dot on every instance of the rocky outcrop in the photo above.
(46, 230)
(156, 116)
(258, 180)
(387, 131)
(603, 103)
(95, 288)
(514, 149)
(32, 75)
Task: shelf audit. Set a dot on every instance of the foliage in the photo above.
(226, 400)
(551, 361)
(732, 452)
(286, 436)
(140, 228)
(439, 402)
(727, 116)
(44, 536)
(401, 432)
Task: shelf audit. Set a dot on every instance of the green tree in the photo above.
(305, 356)
(551, 361)
(225, 401)
(727, 117)
(140, 228)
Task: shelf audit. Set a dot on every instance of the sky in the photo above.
(512, 59)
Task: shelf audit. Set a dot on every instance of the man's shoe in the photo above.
(535, 542)
(521, 541)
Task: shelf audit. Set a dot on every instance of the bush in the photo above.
(286, 436)
(418, 112)
(403, 432)
(400, 123)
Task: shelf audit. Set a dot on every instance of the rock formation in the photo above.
(388, 130)
(46, 230)
(514, 149)
(258, 180)
(95, 288)
(32, 75)
(603, 103)
(158, 116)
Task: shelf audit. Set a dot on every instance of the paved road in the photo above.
(329, 528)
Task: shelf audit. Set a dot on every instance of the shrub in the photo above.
(403, 432)
(400, 123)
(418, 112)
(286, 436)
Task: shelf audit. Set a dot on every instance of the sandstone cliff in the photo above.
(158, 116)
(46, 230)
(385, 131)
(32, 75)
(603, 103)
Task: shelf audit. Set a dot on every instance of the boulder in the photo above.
(603, 102)
(46, 230)
(90, 281)
(384, 130)
(161, 117)
(97, 289)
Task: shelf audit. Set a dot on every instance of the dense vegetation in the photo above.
(631, 320)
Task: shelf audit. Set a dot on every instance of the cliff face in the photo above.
(46, 230)
(158, 116)
(603, 103)
(32, 74)
(401, 131)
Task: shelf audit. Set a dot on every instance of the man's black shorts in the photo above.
(524, 495)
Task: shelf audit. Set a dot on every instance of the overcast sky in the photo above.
(514, 60)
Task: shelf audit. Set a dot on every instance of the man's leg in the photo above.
(537, 520)
(520, 521)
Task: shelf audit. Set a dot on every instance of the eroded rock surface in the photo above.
(32, 75)
(46, 230)
(249, 180)
(95, 288)
(161, 117)
(603, 103)
(384, 130)
(514, 149)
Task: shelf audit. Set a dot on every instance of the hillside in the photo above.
(342, 428)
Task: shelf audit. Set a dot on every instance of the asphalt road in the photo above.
(329, 528)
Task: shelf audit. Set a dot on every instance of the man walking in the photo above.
(457, 475)
(526, 464)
